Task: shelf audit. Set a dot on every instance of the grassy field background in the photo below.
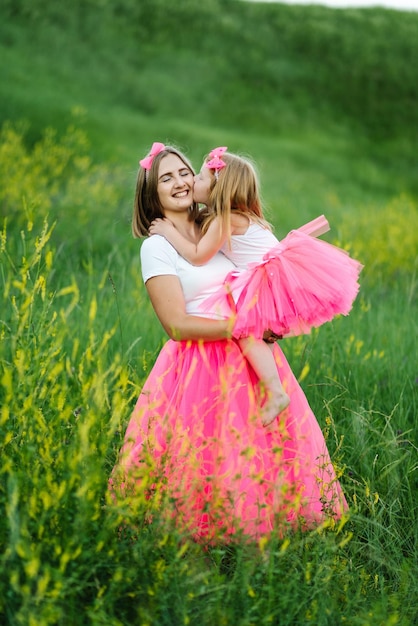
(325, 101)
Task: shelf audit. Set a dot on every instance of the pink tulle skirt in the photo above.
(196, 448)
(301, 283)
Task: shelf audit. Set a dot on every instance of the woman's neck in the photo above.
(188, 229)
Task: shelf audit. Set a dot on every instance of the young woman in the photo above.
(195, 437)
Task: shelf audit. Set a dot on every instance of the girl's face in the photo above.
(175, 185)
(202, 183)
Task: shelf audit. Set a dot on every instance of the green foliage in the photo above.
(55, 173)
(73, 555)
(385, 238)
(302, 89)
(57, 415)
(295, 65)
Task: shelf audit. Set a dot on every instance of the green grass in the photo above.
(67, 387)
(78, 335)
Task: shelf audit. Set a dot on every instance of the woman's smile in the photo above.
(181, 194)
(175, 184)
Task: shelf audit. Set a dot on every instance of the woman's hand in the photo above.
(270, 337)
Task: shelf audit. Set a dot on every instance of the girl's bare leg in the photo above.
(260, 355)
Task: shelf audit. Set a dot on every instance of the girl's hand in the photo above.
(161, 227)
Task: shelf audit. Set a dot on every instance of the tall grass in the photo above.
(324, 101)
(73, 357)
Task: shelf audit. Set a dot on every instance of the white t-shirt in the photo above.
(159, 258)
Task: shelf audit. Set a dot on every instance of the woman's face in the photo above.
(175, 185)
(202, 183)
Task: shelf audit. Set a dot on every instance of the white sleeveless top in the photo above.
(250, 247)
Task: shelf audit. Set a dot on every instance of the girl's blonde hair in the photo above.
(147, 206)
(234, 189)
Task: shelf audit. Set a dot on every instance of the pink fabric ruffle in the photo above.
(301, 283)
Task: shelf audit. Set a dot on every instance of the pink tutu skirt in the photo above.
(196, 450)
(301, 283)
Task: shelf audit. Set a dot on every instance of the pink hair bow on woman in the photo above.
(216, 162)
(155, 149)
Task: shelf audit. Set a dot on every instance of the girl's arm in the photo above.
(196, 254)
(167, 298)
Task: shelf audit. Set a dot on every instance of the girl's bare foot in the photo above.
(277, 402)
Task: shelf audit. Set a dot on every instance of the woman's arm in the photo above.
(167, 298)
(196, 254)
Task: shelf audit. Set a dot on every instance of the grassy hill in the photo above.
(313, 94)
(264, 68)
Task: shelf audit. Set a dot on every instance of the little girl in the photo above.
(286, 287)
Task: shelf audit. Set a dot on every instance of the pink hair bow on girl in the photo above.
(155, 149)
(216, 162)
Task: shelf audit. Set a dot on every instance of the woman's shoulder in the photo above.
(155, 244)
(157, 257)
(156, 247)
